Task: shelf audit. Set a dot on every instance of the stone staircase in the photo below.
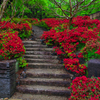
(46, 77)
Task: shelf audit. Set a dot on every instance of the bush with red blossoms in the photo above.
(11, 45)
(24, 30)
(52, 22)
(84, 88)
(71, 41)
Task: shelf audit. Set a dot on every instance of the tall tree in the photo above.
(67, 8)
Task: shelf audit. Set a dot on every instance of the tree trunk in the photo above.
(2, 9)
(69, 24)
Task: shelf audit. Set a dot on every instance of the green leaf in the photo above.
(86, 73)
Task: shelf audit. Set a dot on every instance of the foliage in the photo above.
(43, 24)
(23, 29)
(22, 62)
(89, 50)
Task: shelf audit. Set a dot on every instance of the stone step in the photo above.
(31, 42)
(39, 49)
(37, 39)
(48, 73)
(35, 46)
(45, 65)
(46, 81)
(44, 90)
(42, 60)
(39, 52)
(21, 96)
(40, 56)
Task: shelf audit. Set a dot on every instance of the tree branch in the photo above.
(75, 10)
(59, 15)
(12, 16)
(3, 6)
(67, 11)
(70, 7)
(88, 4)
(51, 13)
(21, 17)
(78, 3)
(8, 20)
(61, 8)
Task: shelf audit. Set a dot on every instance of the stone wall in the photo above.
(95, 15)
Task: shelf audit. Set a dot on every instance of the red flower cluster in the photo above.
(7, 25)
(24, 30)
(58, 50)
(51, 22)
(84, 87)
(12, 46)
(22, 26)
(70, 39)
(14, 26)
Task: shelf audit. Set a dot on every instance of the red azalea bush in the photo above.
(71, 41)
(24, 29)
(91, 49)
(8, 25)
(84, 88)
(85, 22)
(11, 45)
(33, 21)
(52, 22)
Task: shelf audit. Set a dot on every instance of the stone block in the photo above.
(94, 68)
(7, 78)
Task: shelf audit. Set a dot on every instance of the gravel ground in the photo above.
(38, 31)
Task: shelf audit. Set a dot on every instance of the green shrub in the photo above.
(22, 62)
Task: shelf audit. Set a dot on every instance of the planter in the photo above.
(94, 68)
(7, 78)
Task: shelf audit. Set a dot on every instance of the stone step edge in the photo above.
(49, 49)
(32, 81)
(48, 75)
(31, 42)
(45, 64)
(41, 55)
(24, 89)
(41, 59)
